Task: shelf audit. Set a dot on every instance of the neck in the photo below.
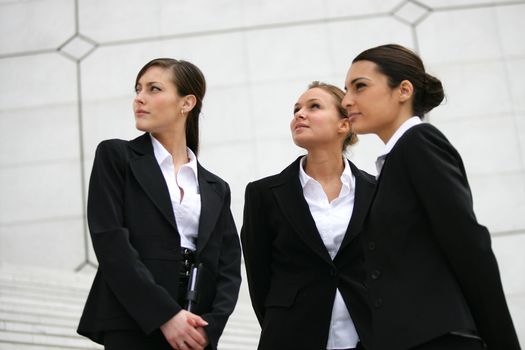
(324, 165)
(175, 143)
(386, 134)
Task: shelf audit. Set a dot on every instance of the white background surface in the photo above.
(258, 56)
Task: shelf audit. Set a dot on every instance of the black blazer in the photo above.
(291, 277)
(137, 244)
(430, 266)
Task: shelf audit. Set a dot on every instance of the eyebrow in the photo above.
(310, 100)
(356, 79)
(149, 83)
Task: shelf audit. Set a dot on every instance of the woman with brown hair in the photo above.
(433, 281)
(153, 212)
(302, 258)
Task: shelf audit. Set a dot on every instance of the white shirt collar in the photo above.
(346, 176)
(162, 155)
(409, 123)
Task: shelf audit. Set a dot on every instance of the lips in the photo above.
(141, 112)
(353, 116)
(299, 126)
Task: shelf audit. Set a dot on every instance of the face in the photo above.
(317, 122)
(373, 107)
(157, 105)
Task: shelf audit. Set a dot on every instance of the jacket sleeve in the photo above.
(439, 178)
(122, 270)
(228, 276)
(257, 245)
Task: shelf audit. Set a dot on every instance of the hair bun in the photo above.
(432, 93)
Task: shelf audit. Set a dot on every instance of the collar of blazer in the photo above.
(289, 194)
(148, 174)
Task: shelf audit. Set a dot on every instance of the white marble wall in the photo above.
(67, 70)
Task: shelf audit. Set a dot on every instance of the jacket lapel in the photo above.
(211, 205)
(364, 192)
(290, 199)
(148, 174)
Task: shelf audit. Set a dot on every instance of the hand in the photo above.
(204, 335)
(181, 331)
(201, 330)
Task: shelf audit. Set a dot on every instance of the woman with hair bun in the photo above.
(432, 278)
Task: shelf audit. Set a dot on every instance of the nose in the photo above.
(348, 100)
(299, 114)
(139, 98)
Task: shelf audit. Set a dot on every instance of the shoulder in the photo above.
(423, 143)
(212, 177)
(111, 149)
(112, 145)
(424, 133)
(361, 174)
(291, 172)
(265, 182)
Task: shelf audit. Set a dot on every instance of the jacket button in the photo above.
(378, 303)
(371, 245)
(375, 274)
(333, 272)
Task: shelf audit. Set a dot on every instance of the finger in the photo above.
(197, 321)
(197, 337)
(184, 346)
(174, 345)
(190, 343)
(203, 333)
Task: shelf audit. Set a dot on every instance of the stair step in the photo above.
(40, 309)
(58, 342)
(36, 319)
(27, 327)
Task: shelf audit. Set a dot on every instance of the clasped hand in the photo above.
(184, 331)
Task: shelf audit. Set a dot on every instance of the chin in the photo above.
(299, 142)
(360, 129)
(141, 127)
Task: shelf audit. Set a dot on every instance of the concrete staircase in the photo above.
(40, 309)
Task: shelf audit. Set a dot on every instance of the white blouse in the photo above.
(332, 219)
(403, 128)
(187, 210)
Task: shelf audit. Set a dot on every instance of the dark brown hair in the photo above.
(189, 80)
(338, 95)
(399, 63)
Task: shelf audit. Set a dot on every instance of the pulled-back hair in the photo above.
(399, 63)
(338, 95)
(189, 80)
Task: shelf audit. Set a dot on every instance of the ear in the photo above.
(406, 90)
(188, 102)
(344, 126)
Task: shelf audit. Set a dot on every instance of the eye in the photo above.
(295, 110)
(360, 86)
(137, 89)
(315, 106)
(154, 88)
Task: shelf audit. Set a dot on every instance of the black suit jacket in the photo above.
(430, 266)
(291, 277)
(135, 238)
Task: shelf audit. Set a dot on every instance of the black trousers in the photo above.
(452, 342)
